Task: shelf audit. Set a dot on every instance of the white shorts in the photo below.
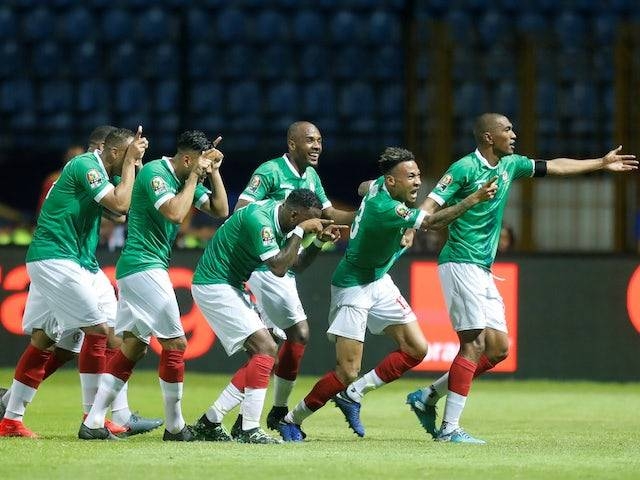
(148, 306)
(229, 314)
(62, 297)
(472, 297)
(278, 302)
(375, 305)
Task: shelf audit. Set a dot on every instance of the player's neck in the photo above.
(296, 165)
(488, 154)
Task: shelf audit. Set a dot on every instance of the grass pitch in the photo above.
(550, 430)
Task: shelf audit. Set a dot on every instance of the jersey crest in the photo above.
(403, 212)
(444, 182)
(254, 184)
(159, 186)
(267, 235)
(94, 178)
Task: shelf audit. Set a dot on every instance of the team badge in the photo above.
(445, 182)
(267, 236)
(403, 211)
(94, 178)
(254, 184)
(505, 176)
(158, 185)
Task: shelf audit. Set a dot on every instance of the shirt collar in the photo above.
(292, 168)
(96, 153)
(484, 160)
(276, 222)
(167, 161)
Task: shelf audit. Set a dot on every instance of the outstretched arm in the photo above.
(612, 161)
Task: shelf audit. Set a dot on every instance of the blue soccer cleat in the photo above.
(458, 436)
(290, 432)
(137, 425)
(426, 413)
(351, 412)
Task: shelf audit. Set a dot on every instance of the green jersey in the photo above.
(150, 234)
(249, 237)
(69, 222)
(473, 237)
(374, 243)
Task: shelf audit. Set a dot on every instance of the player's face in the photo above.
(306, 147)
(299, 215)
(503, 137)
(118, 153)
(404, 181)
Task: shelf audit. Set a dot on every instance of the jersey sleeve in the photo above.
(261, 237)
(319, 190)
(453, 180)
(523, 167)
(201, 195)
(396, 214)
(91, 178)
(156, 187)
(259, 186)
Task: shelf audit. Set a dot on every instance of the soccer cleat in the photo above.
(114, 428)
(102, 433)
(276, 414)
(3, 407)
(137, 424)
(15, 428)
(210, 432)
(351, 411)
(257, 436)
(426, 413)
(185, 435)
(458, 436)
(290, 432)
(236, 430)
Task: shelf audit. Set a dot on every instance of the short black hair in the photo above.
(117, 138)
(99, 134)
(193, 140)
(392, 156)
(303, 197)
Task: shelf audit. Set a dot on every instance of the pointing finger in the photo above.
(217, 141)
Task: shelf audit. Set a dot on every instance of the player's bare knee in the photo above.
(347, 372)
(40, 340)
(298, 333)
(100, 329)
(179, 343)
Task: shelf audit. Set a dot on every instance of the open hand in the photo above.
(614, 162)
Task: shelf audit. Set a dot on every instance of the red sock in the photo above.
(91, 358)
(258, 370)
(484, 364)
(394, 365)
(323, 391)
(120, 366)
(54, 362)
(239, 379)
(171, 368)
(109, 353)
(289, 359)
(461, 375)
(30, 367)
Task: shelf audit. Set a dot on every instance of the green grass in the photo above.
(555, 430)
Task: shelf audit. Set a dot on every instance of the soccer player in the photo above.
(277, 297)
(63, 269)
(363, 294)
(162, 196)
(125, 422)
(270, 232)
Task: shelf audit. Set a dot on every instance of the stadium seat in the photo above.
(237, 62)
(162, 61)
(84, 59)
(465, 64)
(570, 29)
(469, 100)
(500, 63)
(17, 95)
(276, 61)
(461, 29)
(546, 99)
(46, 59)
(282, 98)
(532, 23)
(55, 96)
(123, 61)
(167, 97)
(391, 101)
(506, 99)
(37, 24)
(494, 27)
(203, 61)
(319, 99)
(206, 98)
(581, 104)
(387, 63)
(8, 21)
(351, 62)
(345, 28)
(131, 96)
(604, 26)
(602, 62)
(384, 28)
(573, 63)
(357, 99)
(308, 26)
(117, 25)
(244, 98)
(154, 25)
(232, 26)
(93, 95)
(11, 59)
(199, 25)
(314, 62)
(269, 27)
(75, 25)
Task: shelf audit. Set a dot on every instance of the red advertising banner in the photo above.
(428, 304)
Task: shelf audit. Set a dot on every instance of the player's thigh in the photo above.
(389, 307)
(229, 314)
(71, 340)
(277, 297)
(148, 306)
(68, 291)
(348, 312)
(38, 316)
(107, 300)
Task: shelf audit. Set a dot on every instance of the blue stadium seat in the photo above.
(203, 61)
(532, 23)
(282, 98)
(154, 25)
(470, 100)
(124, 61)
(506, 99)
(573, 63)
(232, 25)
(465, 64)
(603, 61)
(581, 103)
(391, 101)
(117, 25)
(46, 60)
(314, 62)
(37, 24)
(345, 28)
(206, 98)
(357, 103)
(384, 28)
(55, 96)
(212, 123)
(75, 25)
(270, 26)
(276, 61)
(11, 59)
(17, 95)
(570, 29)
(199, 25)
(461, 29)
(604, 29)
(168, 96)
(307, 26)
(546, 99)
(319, 99)
(8, 21)
(387, 63)
(244, 98)
(93, 95)
(237, 62)
(494, 27)
(131, 97)
(161, 61)
(351, 62)
(84, 59)
(499, 63)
